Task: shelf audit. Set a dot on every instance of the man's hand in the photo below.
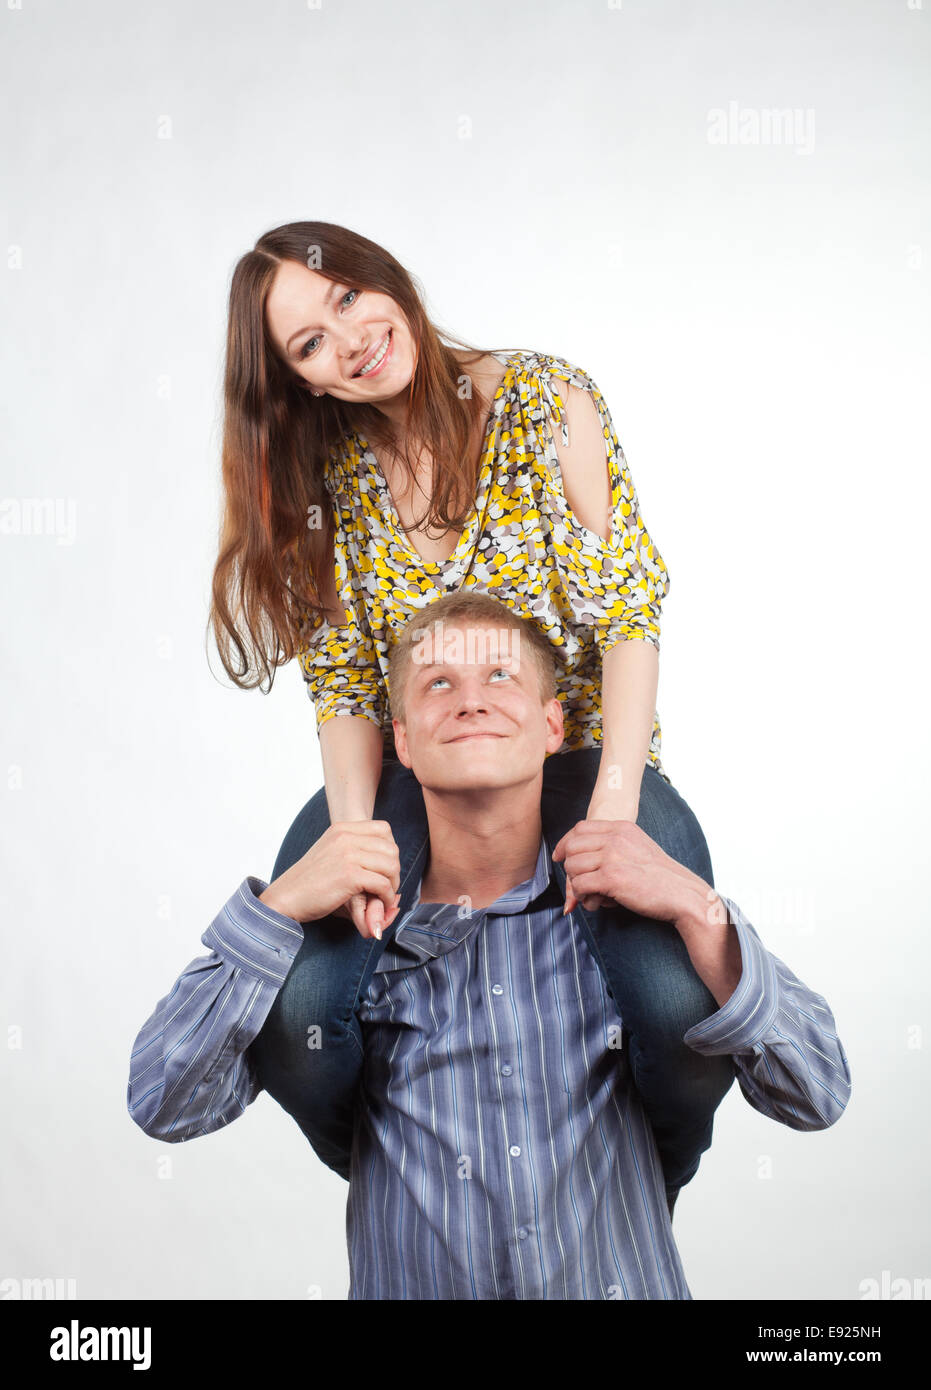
(610, 806)
(619, 861)
(614, 861)
(354, 864)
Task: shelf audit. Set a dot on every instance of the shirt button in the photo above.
(514, 1151)
(496, 989)
(506, 1070)
(522, 1233)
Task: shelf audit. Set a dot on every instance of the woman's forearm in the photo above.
(630, 679)
(351, 749)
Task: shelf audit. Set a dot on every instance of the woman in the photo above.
(368, 468)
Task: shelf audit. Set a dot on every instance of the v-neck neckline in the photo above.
(467, 537)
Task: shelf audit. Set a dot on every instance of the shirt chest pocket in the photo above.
(580, 987)
(593, 1044)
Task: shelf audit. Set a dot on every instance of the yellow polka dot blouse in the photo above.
(521, 544)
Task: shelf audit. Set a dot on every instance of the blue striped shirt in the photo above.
(501, 1150)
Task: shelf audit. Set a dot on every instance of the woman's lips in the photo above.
(388, 351)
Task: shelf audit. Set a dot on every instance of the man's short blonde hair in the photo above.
(455, 611)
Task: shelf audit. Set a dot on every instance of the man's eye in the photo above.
(307, 350)
(436, 680)
(500, 671)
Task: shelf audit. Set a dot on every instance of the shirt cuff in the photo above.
(749, 1014)
(253, 937)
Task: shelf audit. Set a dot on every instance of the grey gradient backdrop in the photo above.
(756, 315)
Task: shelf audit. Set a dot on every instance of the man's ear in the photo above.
(555, 729)
(400, 742)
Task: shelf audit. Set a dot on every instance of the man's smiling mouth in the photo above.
(479, 734)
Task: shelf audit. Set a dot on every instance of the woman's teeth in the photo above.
(373, 362)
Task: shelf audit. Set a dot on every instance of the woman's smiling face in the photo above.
(327, 331)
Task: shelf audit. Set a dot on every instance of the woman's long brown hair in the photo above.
(274, 562)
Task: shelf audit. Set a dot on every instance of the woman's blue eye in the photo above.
(306, 349)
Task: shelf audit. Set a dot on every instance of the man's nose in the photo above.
(470, 701)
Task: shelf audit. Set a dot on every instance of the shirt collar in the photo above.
(428, 930)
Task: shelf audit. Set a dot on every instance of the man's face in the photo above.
(474, 717)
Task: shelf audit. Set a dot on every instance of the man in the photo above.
(500, 1149)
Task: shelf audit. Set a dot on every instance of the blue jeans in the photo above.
(644, 962)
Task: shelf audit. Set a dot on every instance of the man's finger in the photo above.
(374, 917)
(585, 861)
(373, 854)
(378, 917)
(378, 898)
(571, 899)
(592, 901)
(356, 906)
(585, 829)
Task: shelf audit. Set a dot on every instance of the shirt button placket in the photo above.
(515, 1152)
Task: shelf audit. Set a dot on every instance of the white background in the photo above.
(756, 315)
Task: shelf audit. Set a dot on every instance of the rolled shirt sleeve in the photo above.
(790, 1062)
(190, 1072)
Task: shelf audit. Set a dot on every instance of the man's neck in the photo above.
(481, 844)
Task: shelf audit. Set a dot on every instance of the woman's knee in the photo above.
(309, 1044)
(312, 821)
(568, 782)
(675, 1075)
(665, 1014)
(307, 1076)
(658, 992)
(668, 819)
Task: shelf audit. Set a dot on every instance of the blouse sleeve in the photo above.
(623, 581)
(340, 663)
(343, 675)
